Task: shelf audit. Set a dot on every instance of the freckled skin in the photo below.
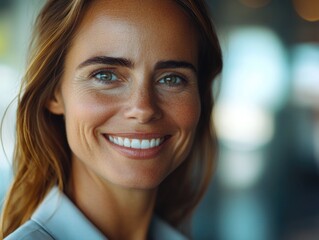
(115, 29)
(145, 32)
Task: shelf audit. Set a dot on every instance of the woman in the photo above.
(114, 136)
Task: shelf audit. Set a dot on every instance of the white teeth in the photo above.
(120, 141)
(127, 142)
(136, 143)
(153, 143)
(145, 144)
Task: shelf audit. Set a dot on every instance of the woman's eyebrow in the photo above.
(107, 61)
(175, 64)
(117, 61)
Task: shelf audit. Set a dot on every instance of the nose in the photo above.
(142, 105)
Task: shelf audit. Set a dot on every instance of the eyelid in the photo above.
(185, 73)
(173, 74)
(173, 84)
(92, 74)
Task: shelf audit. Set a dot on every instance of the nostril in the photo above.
(142, 107)
(143, 114)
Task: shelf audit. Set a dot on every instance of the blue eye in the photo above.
(105, 76)
(172, 80)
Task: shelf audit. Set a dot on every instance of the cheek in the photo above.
(84, 115)
(186, 115)
(187, 112)
(90, 108)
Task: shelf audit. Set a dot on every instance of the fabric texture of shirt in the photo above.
(57, 218)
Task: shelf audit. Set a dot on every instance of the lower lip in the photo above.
(137, 154)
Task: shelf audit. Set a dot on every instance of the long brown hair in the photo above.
(42, 155)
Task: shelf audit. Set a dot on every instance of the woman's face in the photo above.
(129, 92)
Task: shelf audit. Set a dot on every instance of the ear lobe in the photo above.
(55, 104)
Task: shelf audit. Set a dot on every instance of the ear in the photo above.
(56, 104)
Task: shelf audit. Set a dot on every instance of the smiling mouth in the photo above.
(136, 143)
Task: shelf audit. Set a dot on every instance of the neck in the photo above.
(118, 212)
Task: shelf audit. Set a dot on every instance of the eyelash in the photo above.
(178, 80)
(175, 78)
(104, 72)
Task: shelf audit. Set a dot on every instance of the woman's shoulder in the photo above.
(30, 231)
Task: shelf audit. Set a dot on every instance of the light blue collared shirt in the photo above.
(57, 218)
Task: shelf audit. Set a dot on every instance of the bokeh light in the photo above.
(241, 169)
(243, 126)
(256, 68)
(305, 74)
(307, 9)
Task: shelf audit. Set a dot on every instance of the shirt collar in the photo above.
(60, 218)
(160, 230)
(63, 220)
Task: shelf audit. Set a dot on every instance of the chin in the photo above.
(149, 181)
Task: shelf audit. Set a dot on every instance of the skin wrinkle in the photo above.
(135, 103)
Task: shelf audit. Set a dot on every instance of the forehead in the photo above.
(141, 24)
(145, 11)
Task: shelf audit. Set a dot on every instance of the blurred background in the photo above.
(266, 185)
